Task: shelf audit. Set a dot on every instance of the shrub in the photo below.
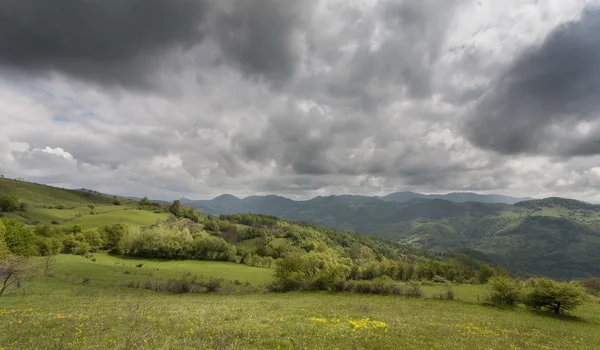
(485, 273)
(414, 290)
(448, 294)
(133, 284)
(213, 285)
(505, 290)
(86, 280)
(139, 265)
(549, 295)
(54, 222)
(19, 239)
(8, 203)
(23, 206)
(440, 279)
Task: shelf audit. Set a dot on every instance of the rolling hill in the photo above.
(555, 236)
(66, 207)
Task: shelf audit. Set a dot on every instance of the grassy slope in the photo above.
(60, 312)
(40, 197)
(113, 271)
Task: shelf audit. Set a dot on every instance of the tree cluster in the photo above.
(538, 293)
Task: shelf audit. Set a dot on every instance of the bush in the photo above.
(448, 294)
(440, 279)
(213, 285)
(133, 284)
(505, 290)
(8, 203)
(414, 290)
(548, 295)
(19, 239)
(23, 206)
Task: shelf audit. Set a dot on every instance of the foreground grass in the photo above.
(83, 319)
(61, 312)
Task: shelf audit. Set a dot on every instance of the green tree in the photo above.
(9, 203)
(549, 295)
(485, 273)
(176, 208)
(19, 239)
(112, 236)
(145, 201)
(505, 290)
(3, 246)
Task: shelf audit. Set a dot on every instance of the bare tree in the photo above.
(13, 269)
(49, 261)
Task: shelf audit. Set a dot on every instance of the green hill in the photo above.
(65, 207)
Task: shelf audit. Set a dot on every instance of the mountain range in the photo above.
(556, 237)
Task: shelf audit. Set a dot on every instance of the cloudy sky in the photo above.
(301, 98)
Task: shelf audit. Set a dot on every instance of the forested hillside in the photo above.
(556, 237)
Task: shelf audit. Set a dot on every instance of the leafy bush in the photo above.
(380, 285)
(549, 295)
(448, 294)
(18, 238)
(312, 271)
(112, 235)
(213, 285)
(8, 203)
(505, 290)
(440, 279)
(414, 290)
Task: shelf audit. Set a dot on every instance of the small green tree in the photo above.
(549, 295)
(112, 235)
(505, 290)
(9, 203)
(145, 201)
(3, 246)
(485, 273)
(176, 209)
(19, 239)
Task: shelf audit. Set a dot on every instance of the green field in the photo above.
(61, 312)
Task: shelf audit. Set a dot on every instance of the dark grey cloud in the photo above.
(547, 101)
(261, 37)
(110, 41)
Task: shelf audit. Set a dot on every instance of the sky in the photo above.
(194, 98)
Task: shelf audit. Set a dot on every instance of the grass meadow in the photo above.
(62, 312)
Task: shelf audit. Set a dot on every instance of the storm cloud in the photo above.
(196, 98)
(547, 100)
(111, 41)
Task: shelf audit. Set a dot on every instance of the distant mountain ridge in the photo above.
(454, 197)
